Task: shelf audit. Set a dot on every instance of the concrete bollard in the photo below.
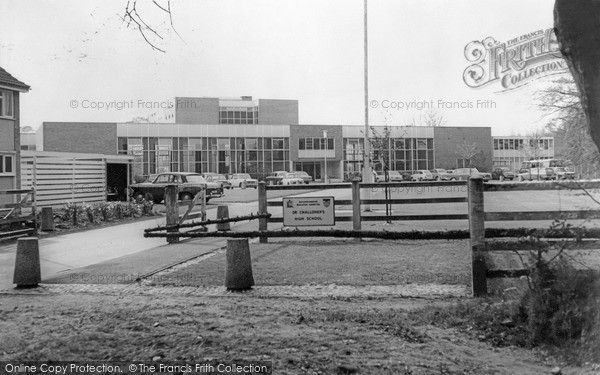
(238, 275)
(223, 213)
(47, 219)
(27, 263)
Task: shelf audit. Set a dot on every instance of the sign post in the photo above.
(308, 211)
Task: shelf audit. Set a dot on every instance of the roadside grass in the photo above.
(325, 262)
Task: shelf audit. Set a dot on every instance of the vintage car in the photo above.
(440, 174)
(392, 176)
(292, 179)
(218, 178)
(304, 176)
(502, 173)
(242, 180)
(421, 175)
(189, 184)
(275, 177)
(466, 173)
(535, 174)
(353, 176)
(561, 173)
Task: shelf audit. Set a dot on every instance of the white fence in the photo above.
(59, 178)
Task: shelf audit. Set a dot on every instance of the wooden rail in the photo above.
(18, 219)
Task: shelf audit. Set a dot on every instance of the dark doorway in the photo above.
(116, 182)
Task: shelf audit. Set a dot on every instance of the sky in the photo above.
(78, 56)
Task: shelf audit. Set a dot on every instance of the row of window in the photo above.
(238, 115)
(316, 144)
(518, 144)
(6, 104)
(126, 145)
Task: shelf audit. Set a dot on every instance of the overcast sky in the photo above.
(309, 50)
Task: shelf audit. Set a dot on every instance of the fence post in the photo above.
(356, 223)
(262, 209)
(27, 263)
(477, 241)
(172, 208)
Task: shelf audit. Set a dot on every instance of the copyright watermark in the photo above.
(432, 104)
(123, 278)
(119, 105)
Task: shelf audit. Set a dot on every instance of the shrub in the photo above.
(105, 209)
(562, 305)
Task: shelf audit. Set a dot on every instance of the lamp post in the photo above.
(325, 137)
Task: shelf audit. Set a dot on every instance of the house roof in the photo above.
(9, 81)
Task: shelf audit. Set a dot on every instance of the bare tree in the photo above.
(136, 18)
(561, 102)
(532, 146)
(467, 151)
(429, 118)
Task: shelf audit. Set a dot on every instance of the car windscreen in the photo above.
(244, 176)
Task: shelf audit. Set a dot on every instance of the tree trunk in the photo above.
(577, 28)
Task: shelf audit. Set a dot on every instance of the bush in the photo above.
(562, 305)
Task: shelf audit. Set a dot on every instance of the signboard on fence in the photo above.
(308, 211)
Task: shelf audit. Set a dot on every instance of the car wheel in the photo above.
(187, 197)
(138, 197)
(453, 179)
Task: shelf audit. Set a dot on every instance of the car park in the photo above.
(242, 180)
(440, 174)
(189, 184)
(421, 175)
(503, 173)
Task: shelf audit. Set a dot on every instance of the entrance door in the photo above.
(116, 182)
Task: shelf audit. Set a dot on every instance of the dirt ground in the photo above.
(299, 335)
(355, 324)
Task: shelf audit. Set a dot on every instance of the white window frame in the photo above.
(7, 100)
(3, 158)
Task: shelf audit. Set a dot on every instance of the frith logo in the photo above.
(514, 63)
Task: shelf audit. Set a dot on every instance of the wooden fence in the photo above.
(475, 188)
(18, 219)
(58, 180)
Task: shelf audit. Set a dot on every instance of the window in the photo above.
(6, 103)
(6, 164)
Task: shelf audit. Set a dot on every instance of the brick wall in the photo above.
(447, 139)
(84, 137)
(196, 110)
(277, 112)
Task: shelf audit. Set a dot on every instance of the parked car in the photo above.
(292, 179)
(275, 177)
(378, 177)
(353, 176)
(304, 176)
(218, 178)
(421, 175)
(241, 179)
(535, 174)
(189, 184)
(440, 174)
(560, 173)
(503, 173)
(393, 176)
(466, 173)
